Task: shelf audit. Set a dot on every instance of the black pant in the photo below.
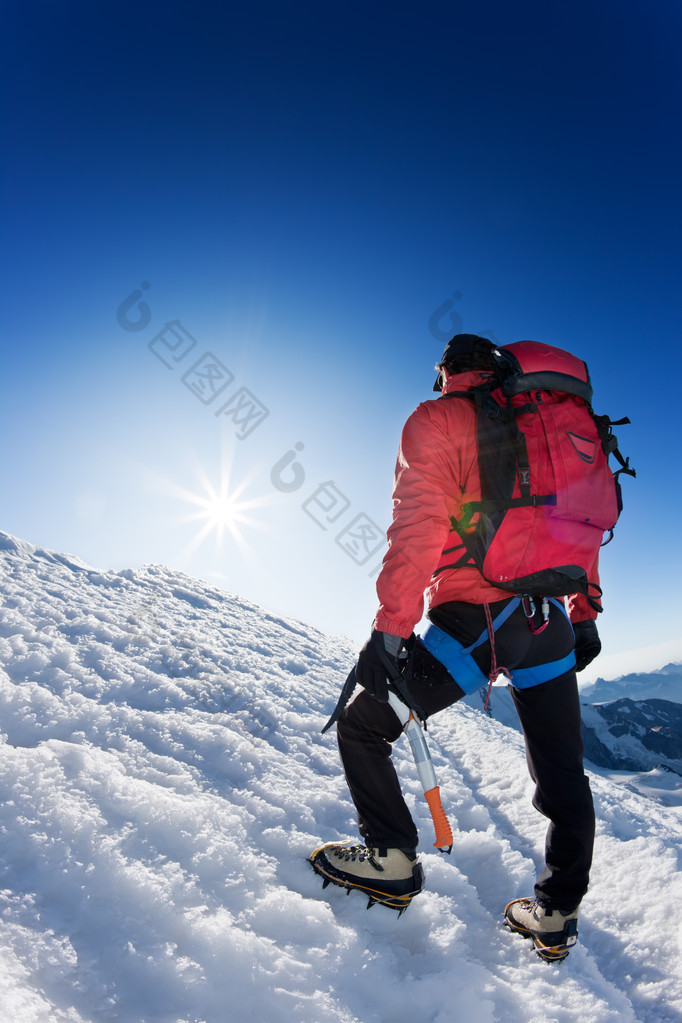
(550, 718)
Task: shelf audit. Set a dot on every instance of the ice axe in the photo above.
(408, 714)
(425, 769)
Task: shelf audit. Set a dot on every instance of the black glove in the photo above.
(378, 660)
(587, 643)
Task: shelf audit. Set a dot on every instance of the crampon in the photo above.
(551, 945)
(394, 893)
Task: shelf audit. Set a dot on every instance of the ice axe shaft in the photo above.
(425, 770)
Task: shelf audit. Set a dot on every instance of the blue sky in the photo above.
(317, 197)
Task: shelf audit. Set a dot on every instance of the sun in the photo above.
(220, 507)
(219, 510)
(222, 510)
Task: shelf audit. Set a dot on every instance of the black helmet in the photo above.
(459, 347)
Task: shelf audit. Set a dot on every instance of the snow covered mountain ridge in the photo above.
(163, 777)
(641, 737)
(664, 684)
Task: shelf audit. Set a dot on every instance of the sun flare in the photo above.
(220, 508)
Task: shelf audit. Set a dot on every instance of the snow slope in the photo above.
(163, 777)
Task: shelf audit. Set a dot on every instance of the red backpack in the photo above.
(547, 492)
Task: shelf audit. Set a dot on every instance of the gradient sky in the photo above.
(318, 197)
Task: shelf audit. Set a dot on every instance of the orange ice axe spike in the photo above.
(425, 770)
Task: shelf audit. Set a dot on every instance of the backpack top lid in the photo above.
(535, 366)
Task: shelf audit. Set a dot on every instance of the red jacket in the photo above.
(436, 473)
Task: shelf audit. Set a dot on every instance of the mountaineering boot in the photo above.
(554, 931)
(391, 877)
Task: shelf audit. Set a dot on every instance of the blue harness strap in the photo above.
(526, 678)
(453, 656)
(458, 661)
(505, 613)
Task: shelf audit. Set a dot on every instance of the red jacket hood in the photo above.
(465, 381)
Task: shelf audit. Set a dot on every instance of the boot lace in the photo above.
(357, 853)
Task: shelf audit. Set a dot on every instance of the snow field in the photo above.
(163, 777)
